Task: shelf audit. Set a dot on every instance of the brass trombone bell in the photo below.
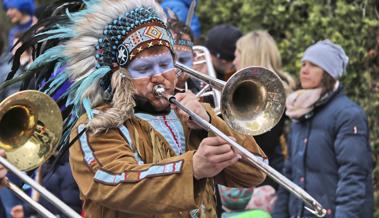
(30, 128)
(252, 100)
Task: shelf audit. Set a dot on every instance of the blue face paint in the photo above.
(146, 67)
(185, 57)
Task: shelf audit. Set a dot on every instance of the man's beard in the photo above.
(143, 105)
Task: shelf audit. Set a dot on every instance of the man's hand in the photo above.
(3, 172)
(190, 101)
(17, 212)
(212, 156)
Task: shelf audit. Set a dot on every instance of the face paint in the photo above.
(146, 67)
(185, 57)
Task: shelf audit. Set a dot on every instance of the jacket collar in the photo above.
(324, 100)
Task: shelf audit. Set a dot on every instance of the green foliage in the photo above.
(296, 24)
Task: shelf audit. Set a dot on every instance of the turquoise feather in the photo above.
(48, 56)
(86, 83)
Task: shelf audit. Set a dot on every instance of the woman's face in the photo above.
(152, 67)
(236, 60)
(184, 55)
(14, 15)
(310, 75)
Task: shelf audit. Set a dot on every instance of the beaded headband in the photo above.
(184, 42)
(146, 36)
(130, 34)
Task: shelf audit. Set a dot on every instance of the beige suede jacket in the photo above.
(140, 175)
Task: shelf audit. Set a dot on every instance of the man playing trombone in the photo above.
(134, 155)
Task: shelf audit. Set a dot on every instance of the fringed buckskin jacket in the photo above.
(144, 168)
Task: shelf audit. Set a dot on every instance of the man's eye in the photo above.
(183, 60)
(142, 69)
(163, 64)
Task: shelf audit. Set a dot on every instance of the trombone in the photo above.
(204, 57)
(248, 114)
(30, 130)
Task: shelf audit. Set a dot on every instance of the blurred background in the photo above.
(296, 24)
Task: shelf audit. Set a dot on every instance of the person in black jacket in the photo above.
(59, 182)
(258, 48)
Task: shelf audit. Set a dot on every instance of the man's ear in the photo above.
(214, 59)
(224, 61)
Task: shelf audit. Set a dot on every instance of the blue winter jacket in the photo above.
(330, 157)
(180, 8)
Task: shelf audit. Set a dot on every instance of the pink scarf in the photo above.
(301, 102)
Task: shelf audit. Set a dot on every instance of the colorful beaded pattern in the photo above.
(129, 34)
(184, 42)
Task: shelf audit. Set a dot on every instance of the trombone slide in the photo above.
(36, 206)
(313, 206)
(45, 193)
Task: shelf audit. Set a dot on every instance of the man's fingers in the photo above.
(215, 141)
(2, 168)
(223, 157)
(229, 162)
(4, 182)
(184, 95)
(17, 211)
(180, 96)
(183, 115)
(217, 150)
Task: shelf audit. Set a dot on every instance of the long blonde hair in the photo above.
(258, 48)
(122, 103)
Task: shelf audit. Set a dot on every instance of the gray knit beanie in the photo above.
(329, 56)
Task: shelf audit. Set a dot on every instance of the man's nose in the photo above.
(235, 61)
(157, 70)
(157, 76)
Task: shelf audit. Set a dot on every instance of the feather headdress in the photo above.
(93, 42)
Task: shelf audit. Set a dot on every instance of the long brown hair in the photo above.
(327, 83)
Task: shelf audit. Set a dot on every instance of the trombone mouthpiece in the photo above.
(159, 90)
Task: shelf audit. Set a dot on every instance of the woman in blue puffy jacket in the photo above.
(329, 152)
